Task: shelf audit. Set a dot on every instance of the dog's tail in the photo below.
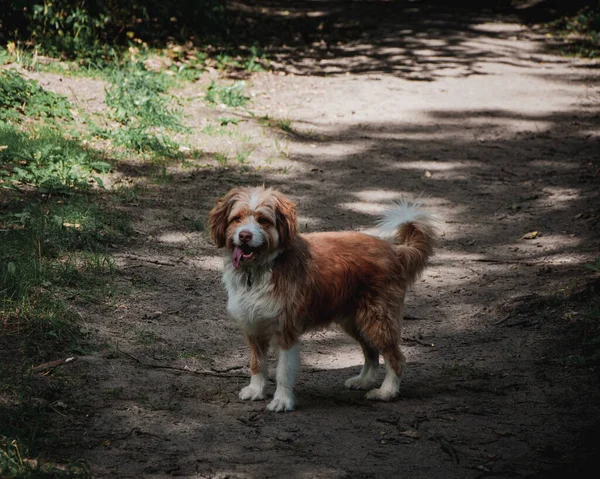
(412, 231)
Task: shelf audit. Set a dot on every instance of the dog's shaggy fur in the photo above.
(281, 284)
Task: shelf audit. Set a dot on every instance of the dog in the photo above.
(281, 284)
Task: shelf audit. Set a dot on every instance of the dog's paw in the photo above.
(360, 382)
(281, 403)
(250, 393)
(381, 394)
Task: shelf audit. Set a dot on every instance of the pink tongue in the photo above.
(237, 257)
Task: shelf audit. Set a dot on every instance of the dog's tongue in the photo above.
(236, 257)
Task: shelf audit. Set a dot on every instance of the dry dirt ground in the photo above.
(499, 138)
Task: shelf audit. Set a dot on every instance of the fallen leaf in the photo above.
(410, 433)
(530, 235)
(77, 226)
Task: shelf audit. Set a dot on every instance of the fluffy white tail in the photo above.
(413, 233)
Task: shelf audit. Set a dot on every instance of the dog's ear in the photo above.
(287, 222)
(217, 219)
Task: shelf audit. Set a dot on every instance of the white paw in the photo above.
(281, 402)
(251, 393)
(360, 382)
(381, 394)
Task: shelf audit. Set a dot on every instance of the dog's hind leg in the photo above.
(383, 331)
(368, 374)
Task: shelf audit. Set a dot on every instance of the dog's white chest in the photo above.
(251, 301)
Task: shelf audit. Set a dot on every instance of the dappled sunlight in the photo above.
(208, 263)
(374, 209)
(377, 195)
(173, 237)
(562, 194)
(440, 165)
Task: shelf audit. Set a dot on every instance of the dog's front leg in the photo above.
(259, 347)
(287, 369)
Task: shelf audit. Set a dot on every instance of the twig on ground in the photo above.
(52, 364)
(449, 449)
(147, 260)
(418, 341)
(503, 320)
(507, 261)
(199, 372)
(226, 370)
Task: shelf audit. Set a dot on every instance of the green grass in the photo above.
(232, 95)
(46, 248)
(54, 237)
(581, 32)
(20, 98)
(243, 156)
(140, 97)
(283, 124)
(222, 159)
(253, 60)
(46, 160)
(139, 101)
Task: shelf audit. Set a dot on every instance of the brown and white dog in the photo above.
(281, 284)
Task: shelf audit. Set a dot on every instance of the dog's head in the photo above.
(253, 223)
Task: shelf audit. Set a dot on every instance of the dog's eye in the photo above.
(264, 221)
(235, 219)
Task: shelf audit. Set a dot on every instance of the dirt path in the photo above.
(500, 138)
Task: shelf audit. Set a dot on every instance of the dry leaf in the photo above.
(530, 235)
(410, 433)
(77, 226)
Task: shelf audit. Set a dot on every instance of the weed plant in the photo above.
(581, 30)
(139, 102)
(232, 96)
(20, 98)
(47, 161)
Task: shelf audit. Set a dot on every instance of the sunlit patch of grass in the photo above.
(232, 95)
(139, 102)
(222, 159)
(22, 98)
(283, 124)
(139, 97)
(45, 159)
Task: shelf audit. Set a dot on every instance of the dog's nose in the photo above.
(245, 236)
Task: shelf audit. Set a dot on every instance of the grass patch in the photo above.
(46, 160)
(252, 60)
(54, 235)
(581, 32)
(138, 100)
(283, 124)
(232, 95)
(139, 97)
(50, 253)
(21, 98)
(46, 249)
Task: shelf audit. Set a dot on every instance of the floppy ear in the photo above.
(218, 218)
(287, 223)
